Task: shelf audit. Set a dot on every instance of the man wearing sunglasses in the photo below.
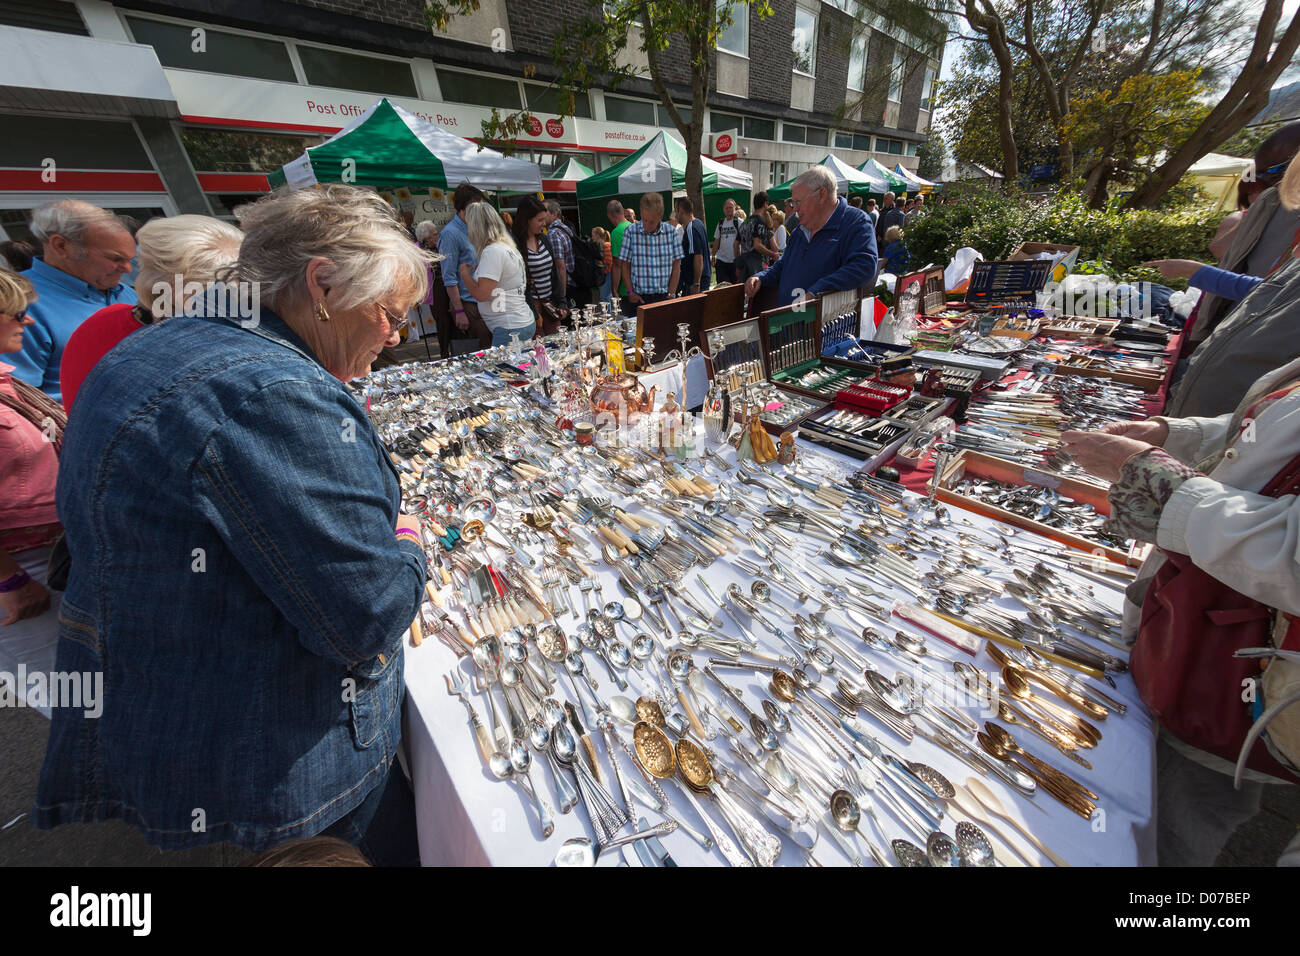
(86, 253)
(1267, 230)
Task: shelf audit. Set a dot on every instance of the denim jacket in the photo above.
(235, 577)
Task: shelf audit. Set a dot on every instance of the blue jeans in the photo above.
(502, 336)
(383, 827)
(606, 293)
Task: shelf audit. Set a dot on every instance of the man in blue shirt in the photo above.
(833, 249)
(696, 276)
(651, 256)
(455, 247)
(87, 251)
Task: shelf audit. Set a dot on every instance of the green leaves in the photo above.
(1117, 242)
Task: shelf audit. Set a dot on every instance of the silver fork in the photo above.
(458, 689)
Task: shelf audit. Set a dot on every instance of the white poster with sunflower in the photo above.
(436, 206)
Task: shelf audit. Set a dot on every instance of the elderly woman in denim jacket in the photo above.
(241, 574)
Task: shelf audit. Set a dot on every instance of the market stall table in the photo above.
(466, 817)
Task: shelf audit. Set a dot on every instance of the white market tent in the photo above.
(848, 181)
(1218, 175)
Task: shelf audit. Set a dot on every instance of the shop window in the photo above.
(476, 89)
(73, 144)
(724, 121)
(235, 151)
(618, 109)
(546, 99)
(667, 121)
(759, 128)
(352, 71)
(16, 223)
(231, 53)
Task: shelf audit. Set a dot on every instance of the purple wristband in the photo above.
(14, 582)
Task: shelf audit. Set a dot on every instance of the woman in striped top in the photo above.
(544, 292)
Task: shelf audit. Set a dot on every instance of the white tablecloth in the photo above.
(466, 817)
(669, 379)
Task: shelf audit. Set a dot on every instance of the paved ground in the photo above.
(23, 735)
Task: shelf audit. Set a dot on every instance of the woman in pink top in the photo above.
(31, 431)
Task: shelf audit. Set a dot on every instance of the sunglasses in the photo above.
(20, 315)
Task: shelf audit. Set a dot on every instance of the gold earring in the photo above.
(321, 314)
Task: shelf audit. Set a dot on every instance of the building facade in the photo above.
(185, 106)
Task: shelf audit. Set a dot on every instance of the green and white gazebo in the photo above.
(849, 181)
(389, 146)
(893, 182)
(569, 175)
(658, 166)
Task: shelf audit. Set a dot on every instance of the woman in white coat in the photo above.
(1192, 487)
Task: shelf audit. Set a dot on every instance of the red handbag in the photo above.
(1182, 661)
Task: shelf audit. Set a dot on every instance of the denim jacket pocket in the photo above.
(378, 694)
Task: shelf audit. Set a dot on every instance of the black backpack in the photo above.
(588, 262)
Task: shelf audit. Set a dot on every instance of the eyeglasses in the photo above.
(19, 316)
(395, 322)
(799, 202)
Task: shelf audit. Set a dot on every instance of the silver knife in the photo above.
(633, 859)
(654, 845)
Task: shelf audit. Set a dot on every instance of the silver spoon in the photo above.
(539, 735)
(941, 851)
(974, 846)
(521, 762)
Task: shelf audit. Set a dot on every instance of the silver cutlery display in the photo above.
(754, 628)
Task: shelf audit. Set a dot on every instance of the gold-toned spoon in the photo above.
(1070, 697)
(1016, 682)
(1074, 801)
(694, 767)
(1004, 738)
(1067, 746)
(655, 752)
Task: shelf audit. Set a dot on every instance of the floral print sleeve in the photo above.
(1146, 482)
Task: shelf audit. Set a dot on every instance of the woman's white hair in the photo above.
(485, 226)
(423, 228)
(181, 250)
(357, 231)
